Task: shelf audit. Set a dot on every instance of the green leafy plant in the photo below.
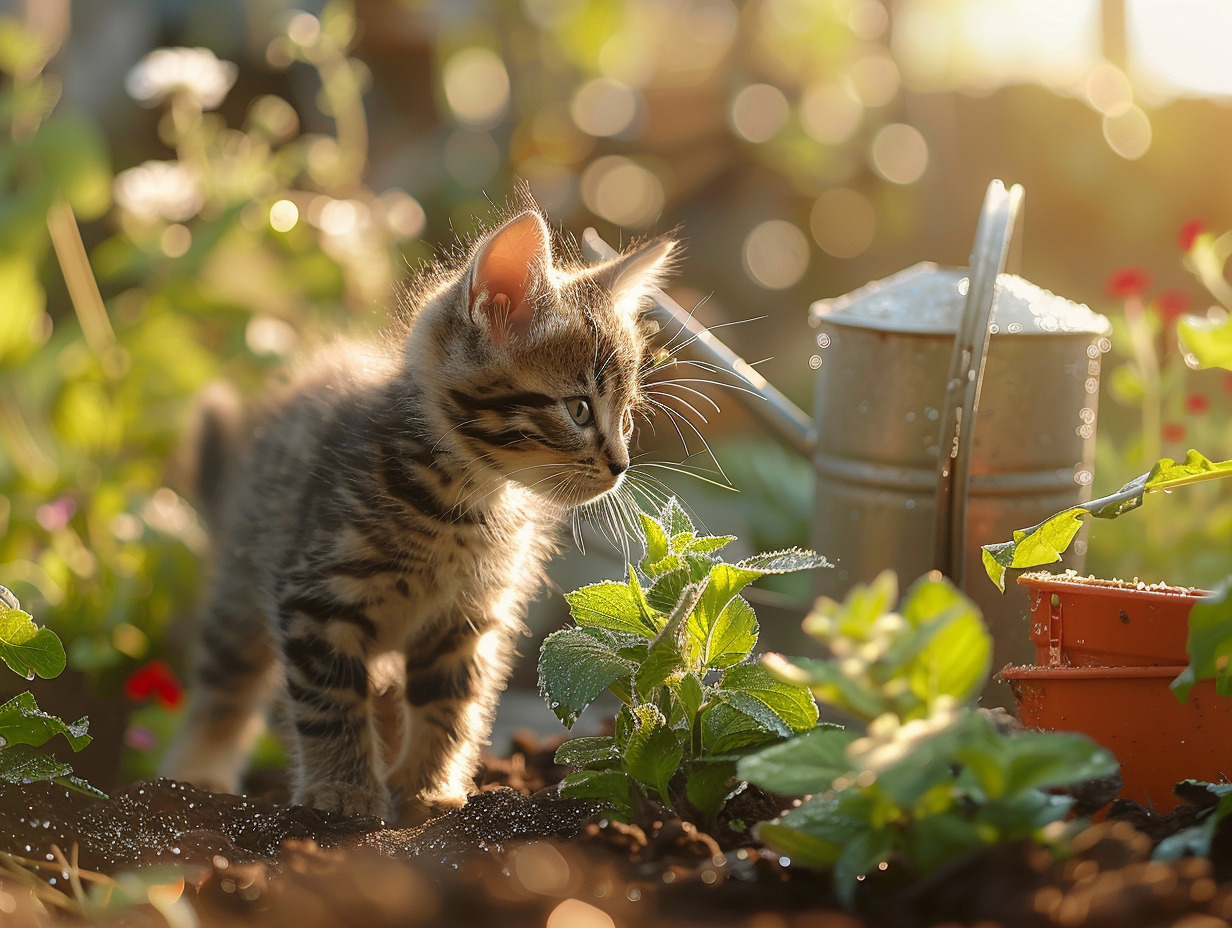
(31, 650)
(1044, 543)
(923, 776)
(672, 642)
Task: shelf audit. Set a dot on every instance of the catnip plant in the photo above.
(672, 642)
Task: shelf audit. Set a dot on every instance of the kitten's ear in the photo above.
(503, 274)
(631, 277)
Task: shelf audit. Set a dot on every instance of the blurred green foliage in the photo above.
(208, 271)
(1157, 402)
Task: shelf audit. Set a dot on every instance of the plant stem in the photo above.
(79, 278)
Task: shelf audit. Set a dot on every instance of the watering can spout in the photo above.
(766, 403)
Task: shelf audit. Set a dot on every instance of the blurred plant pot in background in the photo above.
(1106, 654)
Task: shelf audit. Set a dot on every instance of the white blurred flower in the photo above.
(159, 190)
(193, 71)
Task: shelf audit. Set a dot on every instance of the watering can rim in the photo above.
(844, 310)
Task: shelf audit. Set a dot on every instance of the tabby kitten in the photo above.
(381, 526)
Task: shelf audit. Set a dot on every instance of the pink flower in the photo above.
(154, 680)
(1189, 233)
(1127, 282)
(56, 514)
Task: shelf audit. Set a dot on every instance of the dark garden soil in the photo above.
(516, 855)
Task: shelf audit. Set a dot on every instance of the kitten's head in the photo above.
(541, 361)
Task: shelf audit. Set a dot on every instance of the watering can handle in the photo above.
(989, 253)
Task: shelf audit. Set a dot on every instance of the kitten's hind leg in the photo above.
(234, 680)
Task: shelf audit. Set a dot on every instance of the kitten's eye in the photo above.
(626, 424)
(579, 410)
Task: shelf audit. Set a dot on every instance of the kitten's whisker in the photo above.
(677, 414)
(683, 385)
(694, 336)
(682, 401)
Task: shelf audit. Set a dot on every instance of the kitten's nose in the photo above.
(618, 467)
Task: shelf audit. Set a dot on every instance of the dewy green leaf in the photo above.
(610, 787)
(726, 728)
(723, 583)
(792, 705)
(786, 561)
(593, 751)
(674, 519)
(656, 540)
(1044, 543)
(23, 763)
(732, 636)
(653, 752)
(1210, 643)
(802, 766)
(1208, 340)
(609, 605)
(27, 648)
(23, 722)
(575, 666)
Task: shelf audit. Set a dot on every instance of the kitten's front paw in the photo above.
(425, 806)
(347, 798)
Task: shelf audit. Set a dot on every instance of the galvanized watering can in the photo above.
(905, 366)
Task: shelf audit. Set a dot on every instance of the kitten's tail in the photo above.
(217, 447)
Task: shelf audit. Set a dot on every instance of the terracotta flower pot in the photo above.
(1085, 622)
(1106, 654)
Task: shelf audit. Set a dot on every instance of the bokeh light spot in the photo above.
(874, 79)
(1108, 90)
(622, 191)
(776, 254)
(338, 217)
(283, 216)
(574, 913)
(868, 19)
(476, 87)
(175, 240)
(899, 153)
(830, 114)
(1128, 133)
(304, 29)
(604, 107)
(403, 213)
(758, 112)
(843, 222)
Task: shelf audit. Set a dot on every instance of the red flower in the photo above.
(1197, 403)
(154, 680)
(1173, 431)
(1172, 304)
(1127, 282)
(1189, 233)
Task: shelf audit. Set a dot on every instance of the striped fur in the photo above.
(388, 516)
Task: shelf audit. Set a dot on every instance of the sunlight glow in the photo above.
(1180, 47)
